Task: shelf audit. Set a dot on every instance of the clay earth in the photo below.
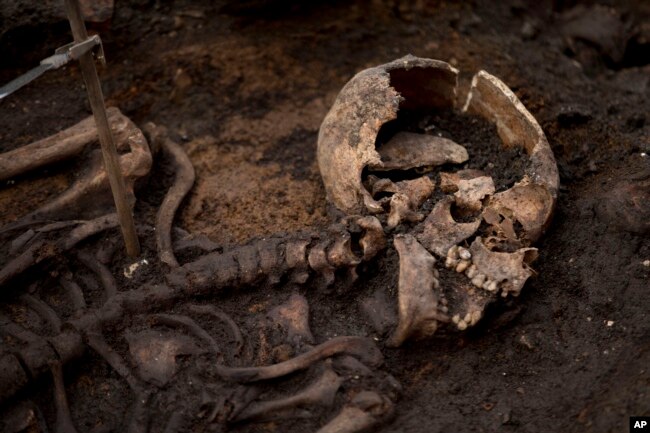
(288, 312)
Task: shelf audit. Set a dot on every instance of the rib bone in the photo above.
(319, 393)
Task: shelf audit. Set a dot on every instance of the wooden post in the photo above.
(109, 151)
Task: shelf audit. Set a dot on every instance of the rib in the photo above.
(363, 348)
(43, 310)
(183, 182)
(63, 419)
(74, 292)
(102, 272)
(176, 321)
(218, 314)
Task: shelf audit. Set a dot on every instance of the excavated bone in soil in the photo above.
(349, 149)
(346, 147)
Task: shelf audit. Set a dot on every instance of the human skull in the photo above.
(491, 245)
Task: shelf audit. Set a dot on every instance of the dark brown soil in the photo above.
(244, 86)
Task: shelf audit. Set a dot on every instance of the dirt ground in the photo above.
(244, 86)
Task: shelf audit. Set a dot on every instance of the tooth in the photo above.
(471, 271)
(462, 265)
(464, 253)
(478, 280)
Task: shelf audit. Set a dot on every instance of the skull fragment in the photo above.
(461, 221)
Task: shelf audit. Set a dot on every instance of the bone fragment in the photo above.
(441, 231)
(529, 204)
(449, 181)
(401, 209)
(96, 341)
(366, 410)
(42, 250)
(408, 196)
(406, 150)
(293, 316)
(101, 271)
(155, 354)
(472, 191)
(74, 292)
(43, 310)
(509, 270)
(417, 301)
(89, 196)
(373, 240)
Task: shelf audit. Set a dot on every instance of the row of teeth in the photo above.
(460, 260)
(469, 320)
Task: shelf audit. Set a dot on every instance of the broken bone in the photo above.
(348, 134)
(401, 209)
(509, 271)
(449, 181)
(407, 150)
(490, 98)
(154, 354)
(441, 231)
(408, 196)
(471, 192)
(293, 316)
(417, 298)
(527, 203)
(366, 410)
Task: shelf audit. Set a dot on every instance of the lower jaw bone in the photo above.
(418, 304)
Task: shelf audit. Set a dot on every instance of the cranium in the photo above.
(491, 243)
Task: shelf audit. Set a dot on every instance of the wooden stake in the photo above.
(109, 151)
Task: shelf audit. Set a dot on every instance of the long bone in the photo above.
(89, 196)
(63, 419)
(60, 146)
(43, 249)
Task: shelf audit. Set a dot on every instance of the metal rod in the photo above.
(109, 151)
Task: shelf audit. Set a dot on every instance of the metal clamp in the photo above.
(73, 51)
(62, 55)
